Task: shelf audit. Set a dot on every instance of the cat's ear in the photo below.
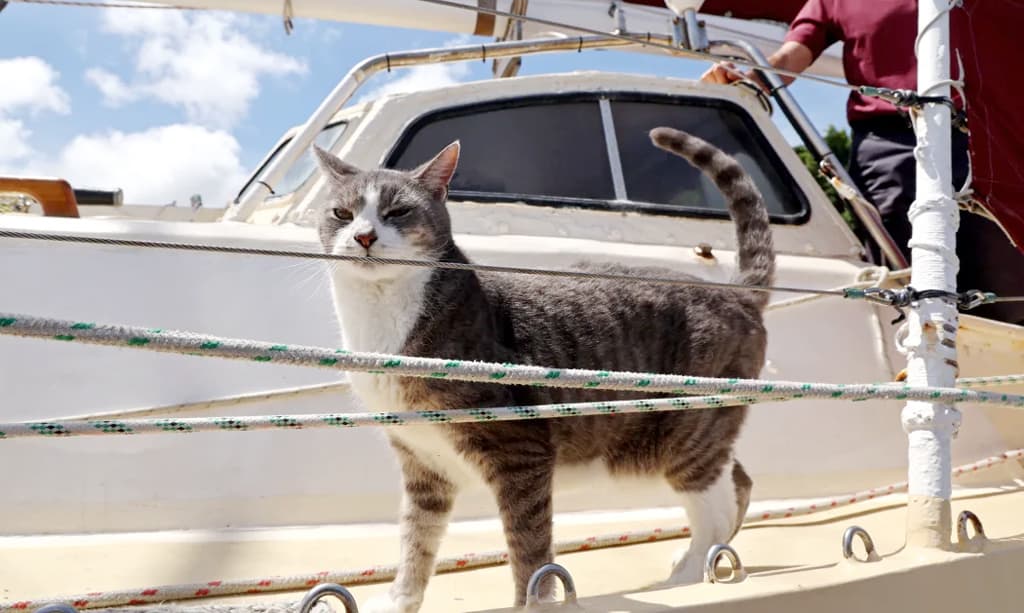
(437, 173)
(332, 165)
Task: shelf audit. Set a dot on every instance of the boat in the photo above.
(255, 518)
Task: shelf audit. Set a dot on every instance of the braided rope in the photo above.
(155, 339)
(990, 381)
(382, 573)
(189, 425)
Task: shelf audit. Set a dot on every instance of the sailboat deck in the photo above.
(786, 559)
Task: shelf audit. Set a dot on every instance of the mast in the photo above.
(932, 326)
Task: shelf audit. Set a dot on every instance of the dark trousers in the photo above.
(882, 164)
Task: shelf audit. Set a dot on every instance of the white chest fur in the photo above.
(376, 316)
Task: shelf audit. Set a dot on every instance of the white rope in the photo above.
(151, 339)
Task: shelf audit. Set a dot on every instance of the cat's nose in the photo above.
(366, 239)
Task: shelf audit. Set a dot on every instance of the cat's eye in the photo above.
(397, 213)
(343, 214)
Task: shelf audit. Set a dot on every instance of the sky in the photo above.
(164, 104)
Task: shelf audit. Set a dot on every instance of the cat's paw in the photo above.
(386, 603)
(687, 568)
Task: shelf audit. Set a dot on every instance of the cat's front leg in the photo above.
(426, 506)
(522, 482)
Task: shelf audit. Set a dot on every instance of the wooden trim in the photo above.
(55, 195)
(485, 21)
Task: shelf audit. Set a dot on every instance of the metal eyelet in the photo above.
(314, 595)
(533, 585)
(714, 557)
(961, 527)
(869, 545)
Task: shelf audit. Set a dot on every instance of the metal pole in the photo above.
(248, 201)
(866, 213)
(931, 330)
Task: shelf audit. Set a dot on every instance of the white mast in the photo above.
(932, 326)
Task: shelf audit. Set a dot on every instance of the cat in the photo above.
(557, 322)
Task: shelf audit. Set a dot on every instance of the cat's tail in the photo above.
(753, 231)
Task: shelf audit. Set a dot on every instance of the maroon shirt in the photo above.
(878, 45)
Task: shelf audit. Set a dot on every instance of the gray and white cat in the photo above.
(556, 322)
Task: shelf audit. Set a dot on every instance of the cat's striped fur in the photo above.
(565, 323)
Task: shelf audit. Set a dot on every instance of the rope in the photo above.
(636, 39)
(859, 291)
(990, 381)
(578, 274)
(250, 423)
(155, 339)
(380, 574)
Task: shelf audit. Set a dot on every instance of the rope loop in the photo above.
(533, 587)
(962, 520)
(314, 595)
(869, 545)
(714, 558)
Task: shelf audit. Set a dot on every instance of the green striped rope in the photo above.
(990, 381)
(190, 425)
(155, 339)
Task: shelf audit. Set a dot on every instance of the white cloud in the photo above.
(157, 165)
(14, 136)
(203, 63)
(29, 85)
(30, 88)
(115, 91)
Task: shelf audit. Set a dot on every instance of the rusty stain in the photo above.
(704, 250)
(901, 375)
(948, 342)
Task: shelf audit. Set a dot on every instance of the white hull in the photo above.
(253, 479)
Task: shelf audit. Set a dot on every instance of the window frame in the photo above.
(254, 176)
(603, 98)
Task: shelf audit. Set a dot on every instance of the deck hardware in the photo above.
(314, 595)
(704, 250)
(869, 545)
(714, 557)
(961, 527)
(57, 607)
(533, 585)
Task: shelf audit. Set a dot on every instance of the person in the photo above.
(878, 49)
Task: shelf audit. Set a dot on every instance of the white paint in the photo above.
(713, 515)
(934, 217)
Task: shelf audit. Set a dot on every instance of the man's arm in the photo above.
(813, 29)
(792, 56)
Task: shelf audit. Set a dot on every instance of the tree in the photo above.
(839, 142)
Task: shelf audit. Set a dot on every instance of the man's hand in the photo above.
(791, 56)
(722, 73)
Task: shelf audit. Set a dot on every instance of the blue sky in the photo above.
(165, 104)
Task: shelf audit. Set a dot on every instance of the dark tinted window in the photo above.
(545, 150)
(652, 175)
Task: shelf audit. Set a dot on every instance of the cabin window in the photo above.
(303, 167)
(547, 151)
(554, 151)
(658, 177)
